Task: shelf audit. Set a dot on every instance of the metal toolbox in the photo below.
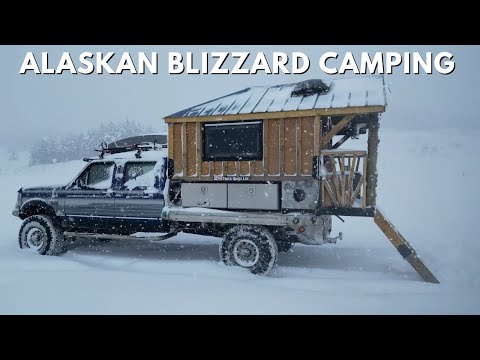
(254, 196)
(204, 195)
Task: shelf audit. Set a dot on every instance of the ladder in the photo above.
(403, 247)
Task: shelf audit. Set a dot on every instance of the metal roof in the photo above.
(342, 93)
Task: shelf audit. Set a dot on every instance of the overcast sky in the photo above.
(34, 106)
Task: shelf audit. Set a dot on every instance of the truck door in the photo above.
(88, 201)
(139, 198)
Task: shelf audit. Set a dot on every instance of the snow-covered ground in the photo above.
(428, 186)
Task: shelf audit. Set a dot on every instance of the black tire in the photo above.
(284, 246)
(225, 250)
(284, 242)
(41, 233)
(250, 247)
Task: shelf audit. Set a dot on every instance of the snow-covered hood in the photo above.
(45, 188)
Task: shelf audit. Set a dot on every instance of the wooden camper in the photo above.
(299, 123)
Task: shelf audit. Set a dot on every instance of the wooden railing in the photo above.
(344, 182)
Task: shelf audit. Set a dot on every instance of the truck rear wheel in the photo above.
(284, 246)
(284, 242)
(250, 247)
(40, 233)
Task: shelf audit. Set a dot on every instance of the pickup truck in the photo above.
(127, 192)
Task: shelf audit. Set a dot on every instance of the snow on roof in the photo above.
(342, 93)
(150, 155)
(135, 139)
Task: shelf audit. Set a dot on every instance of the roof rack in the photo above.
(144, 146)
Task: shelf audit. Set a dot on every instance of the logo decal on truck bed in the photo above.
(231, 178)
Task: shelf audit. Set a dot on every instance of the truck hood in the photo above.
(48, 188)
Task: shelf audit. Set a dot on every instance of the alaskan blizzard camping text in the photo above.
(219, 62)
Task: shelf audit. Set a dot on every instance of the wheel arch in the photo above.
(35, 207)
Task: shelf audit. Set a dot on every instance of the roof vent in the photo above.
(310, 87)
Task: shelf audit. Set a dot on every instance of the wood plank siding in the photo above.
(289, 145)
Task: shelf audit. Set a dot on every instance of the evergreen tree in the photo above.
(13, 156)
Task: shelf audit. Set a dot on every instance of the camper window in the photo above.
(233, 141)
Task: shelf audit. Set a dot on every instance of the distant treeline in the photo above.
(77, 146)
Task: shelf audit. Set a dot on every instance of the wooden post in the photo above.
(317, 134)
(281, 140)
(198, 157)
(298, 131)
(371, 175)
(184, 149)
(335, 130)
(403, 247)
(324, 122)
(170, 141)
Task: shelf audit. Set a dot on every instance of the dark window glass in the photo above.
(234, 141)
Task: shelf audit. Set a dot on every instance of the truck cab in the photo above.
(118, 193)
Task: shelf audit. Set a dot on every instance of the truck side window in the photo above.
(97, 176)
(139, 175)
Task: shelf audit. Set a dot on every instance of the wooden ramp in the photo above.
(403, 247)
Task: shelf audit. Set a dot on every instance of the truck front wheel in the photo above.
(250, 247)
(40, 233)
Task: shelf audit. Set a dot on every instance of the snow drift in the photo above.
(427, 185)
